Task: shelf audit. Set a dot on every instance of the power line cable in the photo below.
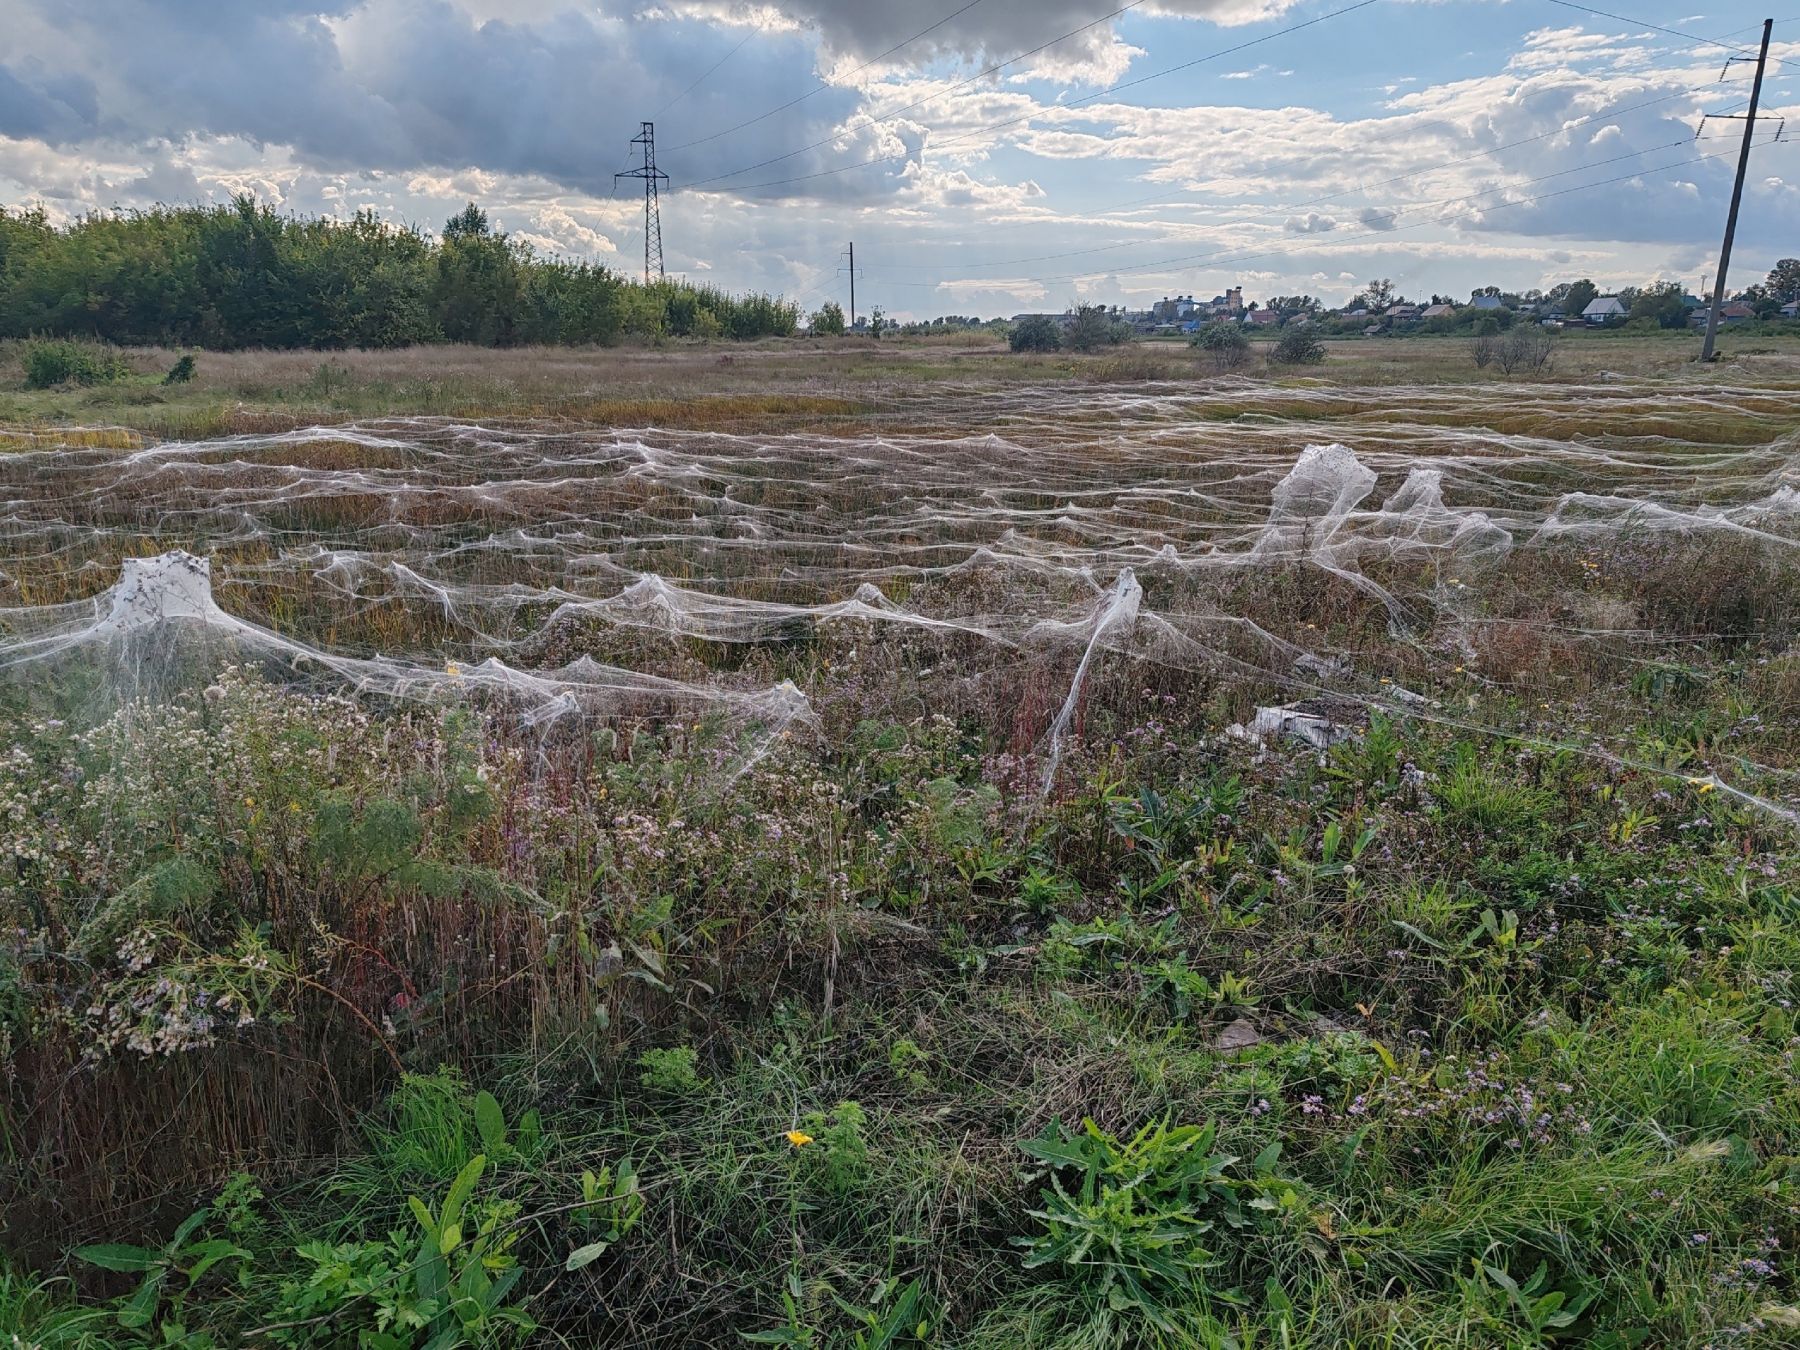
(1219, 259)
(1692, 38)
(1334, 196)
(827, 84)
(1026, 117)
(1558, 130)
(929, 98)
(710, 71)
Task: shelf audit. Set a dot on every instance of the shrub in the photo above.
(48, 364)
(1527, 347)
(1227, 345)
(181, 372)
(1297, 347)
(1035, 333)
(828, 320)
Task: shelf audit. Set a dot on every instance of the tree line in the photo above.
(245, 275)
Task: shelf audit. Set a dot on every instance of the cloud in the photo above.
(851, 31)
(412, 107)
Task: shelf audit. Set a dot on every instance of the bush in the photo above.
(828, 320)
(1527, 347)
(181, 372)
(1298, 347)
(1227, 345)
(1035, 333)
(48, 364)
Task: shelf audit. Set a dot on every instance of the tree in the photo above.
(1660, 304)
(1375, 297)
(1297, 347)
(469, 223)
(878, 322)
(1784, 280)
(828, 320)
(1035, 333)
(1293, 304)
(1093, 329)
(1579, 296)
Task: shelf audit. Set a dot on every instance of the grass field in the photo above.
(760, 845)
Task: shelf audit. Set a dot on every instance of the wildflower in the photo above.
(249, 801)
(452, 669)
(799, 1138)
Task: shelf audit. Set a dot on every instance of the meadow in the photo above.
(852, 844)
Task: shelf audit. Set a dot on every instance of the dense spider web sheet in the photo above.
(1030, 522)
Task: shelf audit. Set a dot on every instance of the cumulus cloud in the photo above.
(412, 107)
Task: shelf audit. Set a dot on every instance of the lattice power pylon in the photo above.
(653, 257)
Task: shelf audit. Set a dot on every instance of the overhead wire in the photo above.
(1672, 32)
(1606, 115)
(1220, 259)
(823, 85)
(709, 71)
(1072, 103)
(890, 115)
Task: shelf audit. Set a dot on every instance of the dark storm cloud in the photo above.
(993, 29)
(400, 85)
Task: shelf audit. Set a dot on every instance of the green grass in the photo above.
(1448, 1037)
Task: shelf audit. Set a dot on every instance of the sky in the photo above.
(986, 158)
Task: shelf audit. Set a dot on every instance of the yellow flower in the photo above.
(799, 1138)
(249, 801)
(452, 669)
(294, 807)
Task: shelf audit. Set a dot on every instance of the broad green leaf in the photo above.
(582, 1256)
(490, 1122)
(117, 1256)
(462, 1188)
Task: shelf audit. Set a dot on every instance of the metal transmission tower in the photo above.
(653, 257)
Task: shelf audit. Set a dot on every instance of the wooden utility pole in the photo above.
(1737, 195)
(852, 283)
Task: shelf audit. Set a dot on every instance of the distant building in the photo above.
(1262, 318)
(1734, 311)
(1487, 302)
(1791, 310)
(1401, 313)
(1604, 308)
(1437, 311)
